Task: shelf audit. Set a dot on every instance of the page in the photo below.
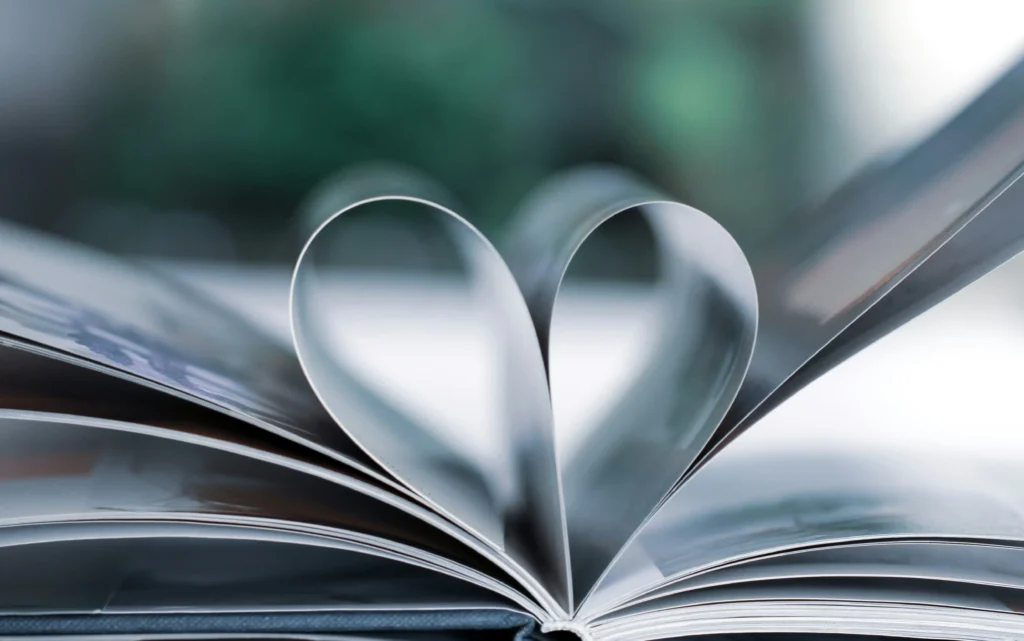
(819, 273)
(992, 237)
(33, 382)
(182, 567)
(57, 472)
(767, 504)
(61, 298)
(851, 589)
(284, 624)
(960, 562)
(916, 609)
(279, 453)
(688, 343)
(916, 436)
(823, 620)
(294, 459)
(424, 353)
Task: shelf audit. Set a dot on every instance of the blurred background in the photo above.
(195, 130)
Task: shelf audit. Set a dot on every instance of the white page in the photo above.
(917, 436)
(62, 298)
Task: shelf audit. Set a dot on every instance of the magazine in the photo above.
(819, 434)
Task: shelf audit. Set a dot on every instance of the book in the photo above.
(618, 424)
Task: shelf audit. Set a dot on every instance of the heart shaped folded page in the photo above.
(468, 378)
(698, 334)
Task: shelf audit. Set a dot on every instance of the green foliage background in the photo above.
(240, 107)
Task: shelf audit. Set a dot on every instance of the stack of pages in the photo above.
(820, 434)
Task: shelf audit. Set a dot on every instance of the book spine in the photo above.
(576, 628)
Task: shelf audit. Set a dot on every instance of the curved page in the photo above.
(183, 567)
(61, 298)
(502, 575)
(993, 236)
(916, 436)
(54, 472)
(644, 355)
(823, 270)
(954, 562)
(423, 351)
(915, 609)
(874, 590)
(38, 383)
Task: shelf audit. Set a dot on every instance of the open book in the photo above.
(819, 435)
